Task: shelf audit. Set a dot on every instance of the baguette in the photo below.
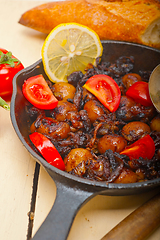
(135, 21)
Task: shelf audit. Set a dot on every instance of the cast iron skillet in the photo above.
(72, 191)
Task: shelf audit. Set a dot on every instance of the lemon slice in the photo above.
(69, 47)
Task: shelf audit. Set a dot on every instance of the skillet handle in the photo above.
(59, 221)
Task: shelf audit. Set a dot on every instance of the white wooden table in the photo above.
(17, 167)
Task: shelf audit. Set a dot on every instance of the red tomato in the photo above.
(48, 150)
(38, 93)
(105, 89)
(9, 66)
(139, 91)
(144, 147)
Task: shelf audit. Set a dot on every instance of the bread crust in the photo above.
(133, 21)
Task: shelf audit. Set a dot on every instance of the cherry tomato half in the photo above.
(105, 89)
(38, 93)
(48, 150)
(139, 91)
(9, 66)
(144, 147)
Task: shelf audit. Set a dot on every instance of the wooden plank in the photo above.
(17, 169)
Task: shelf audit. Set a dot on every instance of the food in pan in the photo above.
(122, 146)
(133, 21)
(47, 149)
(36, 90)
